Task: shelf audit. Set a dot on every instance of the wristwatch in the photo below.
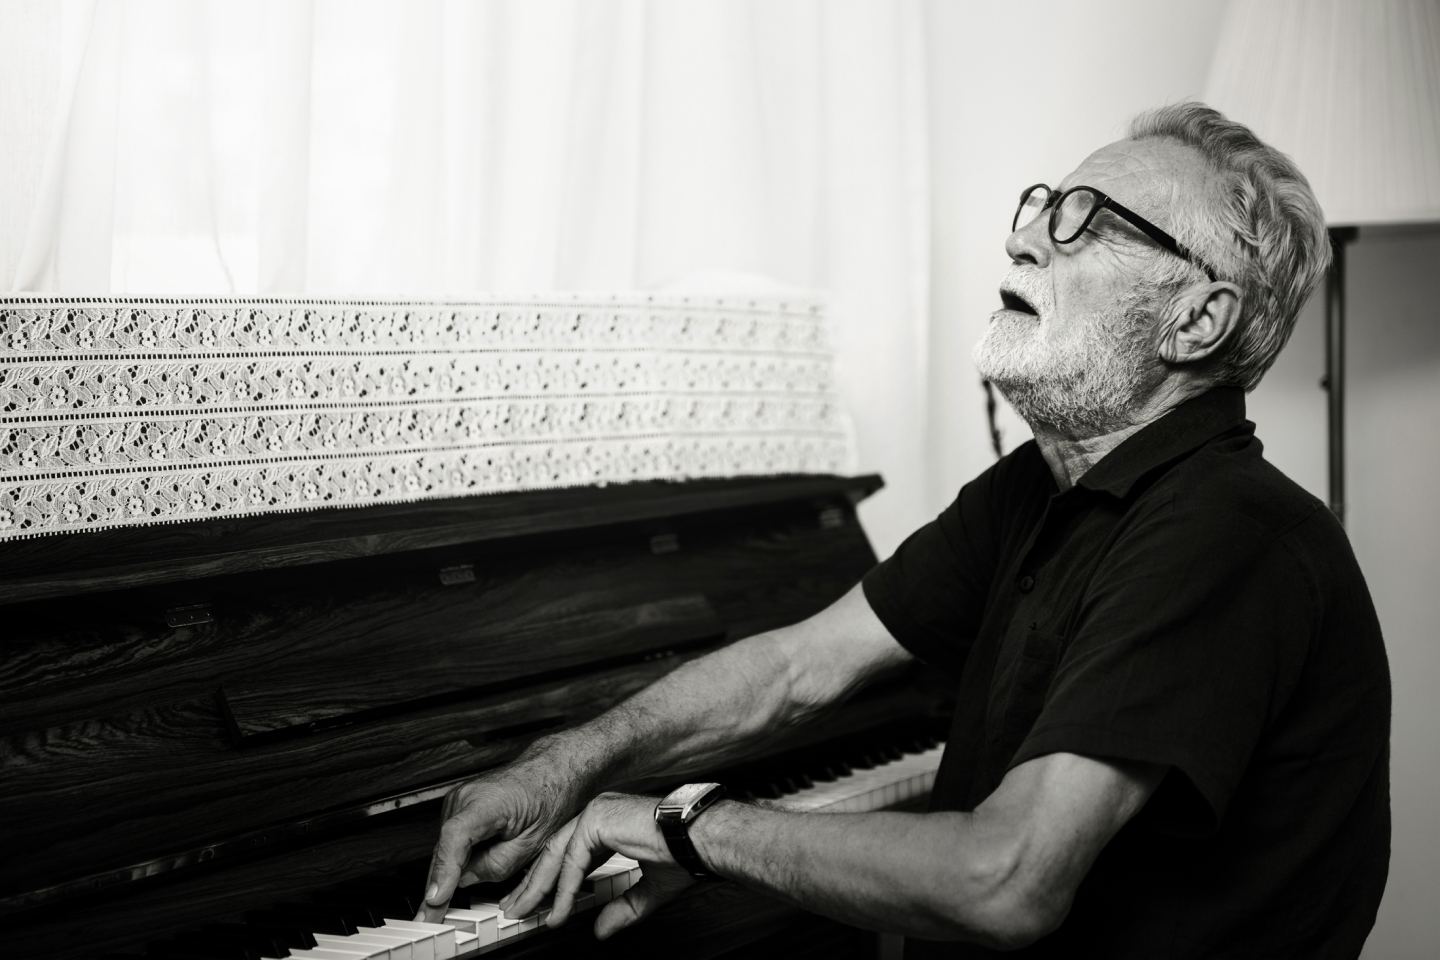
(676, 812)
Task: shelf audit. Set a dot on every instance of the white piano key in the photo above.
(466, 942)
(400, 947)
(323, 953)
(422, 945)
(444, 937)
(422, 942)
(478, 919)
(359, 942)
(606, 879)
(507, 927)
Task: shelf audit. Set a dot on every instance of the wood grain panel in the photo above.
(107, 792)
(349, 681)
(69, 660)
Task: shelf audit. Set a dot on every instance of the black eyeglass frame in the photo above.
(1103, 201)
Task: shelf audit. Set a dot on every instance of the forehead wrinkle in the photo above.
(1153, 177)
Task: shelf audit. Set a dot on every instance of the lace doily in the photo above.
(119, 412)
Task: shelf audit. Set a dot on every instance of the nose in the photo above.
(1031, 243)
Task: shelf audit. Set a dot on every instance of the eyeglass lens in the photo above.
(1068, 222)
(1032, 203)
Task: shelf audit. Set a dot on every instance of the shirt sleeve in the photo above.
(930, 594)
(1184, 648)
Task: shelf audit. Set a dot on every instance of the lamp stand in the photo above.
(1334, 381)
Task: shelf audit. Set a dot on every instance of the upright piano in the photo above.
(203, 722)
(277, 575)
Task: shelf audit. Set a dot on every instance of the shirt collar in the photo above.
(1179, 432)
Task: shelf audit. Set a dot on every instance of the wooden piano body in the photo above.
(198, 720)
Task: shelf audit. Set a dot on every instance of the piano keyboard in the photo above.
(364, 919)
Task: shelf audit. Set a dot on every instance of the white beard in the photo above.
(1082, 381)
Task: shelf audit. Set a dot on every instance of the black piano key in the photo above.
(188, 949)
(385, 899)
(813, 769)
(321, 917)
(414, 877)
(490, 892)
(341, 909)
(178, 950)
(416, 873)
(262, 943)
(291, 932)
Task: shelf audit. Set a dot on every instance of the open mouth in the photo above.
(1017, 303)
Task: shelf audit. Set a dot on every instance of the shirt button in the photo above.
(1026, 583)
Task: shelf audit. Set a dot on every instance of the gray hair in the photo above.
(1261, 229)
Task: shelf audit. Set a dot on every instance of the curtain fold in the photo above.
(443, 147)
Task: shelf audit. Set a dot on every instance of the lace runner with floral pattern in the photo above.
(119, 412)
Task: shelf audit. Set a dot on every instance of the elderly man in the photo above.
(1172, 699)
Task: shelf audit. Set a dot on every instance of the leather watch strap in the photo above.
(676, 812)
(677, 838)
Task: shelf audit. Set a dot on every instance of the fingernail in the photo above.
(433, 893)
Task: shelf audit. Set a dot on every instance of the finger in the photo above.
(629, 908)
(583, 853)
(452, 851)
(493, 862)
(540, 879)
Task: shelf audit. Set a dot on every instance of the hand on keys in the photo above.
(612, 823)
(496, 823)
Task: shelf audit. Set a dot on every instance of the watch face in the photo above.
(688, 794)
(681, 801)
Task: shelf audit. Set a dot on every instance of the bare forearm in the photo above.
(943, 876)
(712, 708)
(696, 715)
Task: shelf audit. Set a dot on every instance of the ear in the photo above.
(1200, 322)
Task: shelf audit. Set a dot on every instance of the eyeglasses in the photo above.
(1072, 211)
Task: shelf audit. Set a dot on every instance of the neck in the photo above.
(1070, 455)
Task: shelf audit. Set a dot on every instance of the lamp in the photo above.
(1350, 89)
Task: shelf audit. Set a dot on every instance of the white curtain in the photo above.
(388, 148)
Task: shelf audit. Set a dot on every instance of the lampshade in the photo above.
(1350, 89)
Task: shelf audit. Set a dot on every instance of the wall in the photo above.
(1392, 463)
(1394, 290)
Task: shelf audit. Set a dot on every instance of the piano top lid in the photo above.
(82, 563)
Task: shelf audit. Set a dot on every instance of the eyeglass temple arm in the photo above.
(1156, 234)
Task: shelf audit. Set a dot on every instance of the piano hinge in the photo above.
(457, 574)
(832, 517)
(189, 615)
(662, 543)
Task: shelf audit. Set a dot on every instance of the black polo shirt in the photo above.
(1184, 604)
